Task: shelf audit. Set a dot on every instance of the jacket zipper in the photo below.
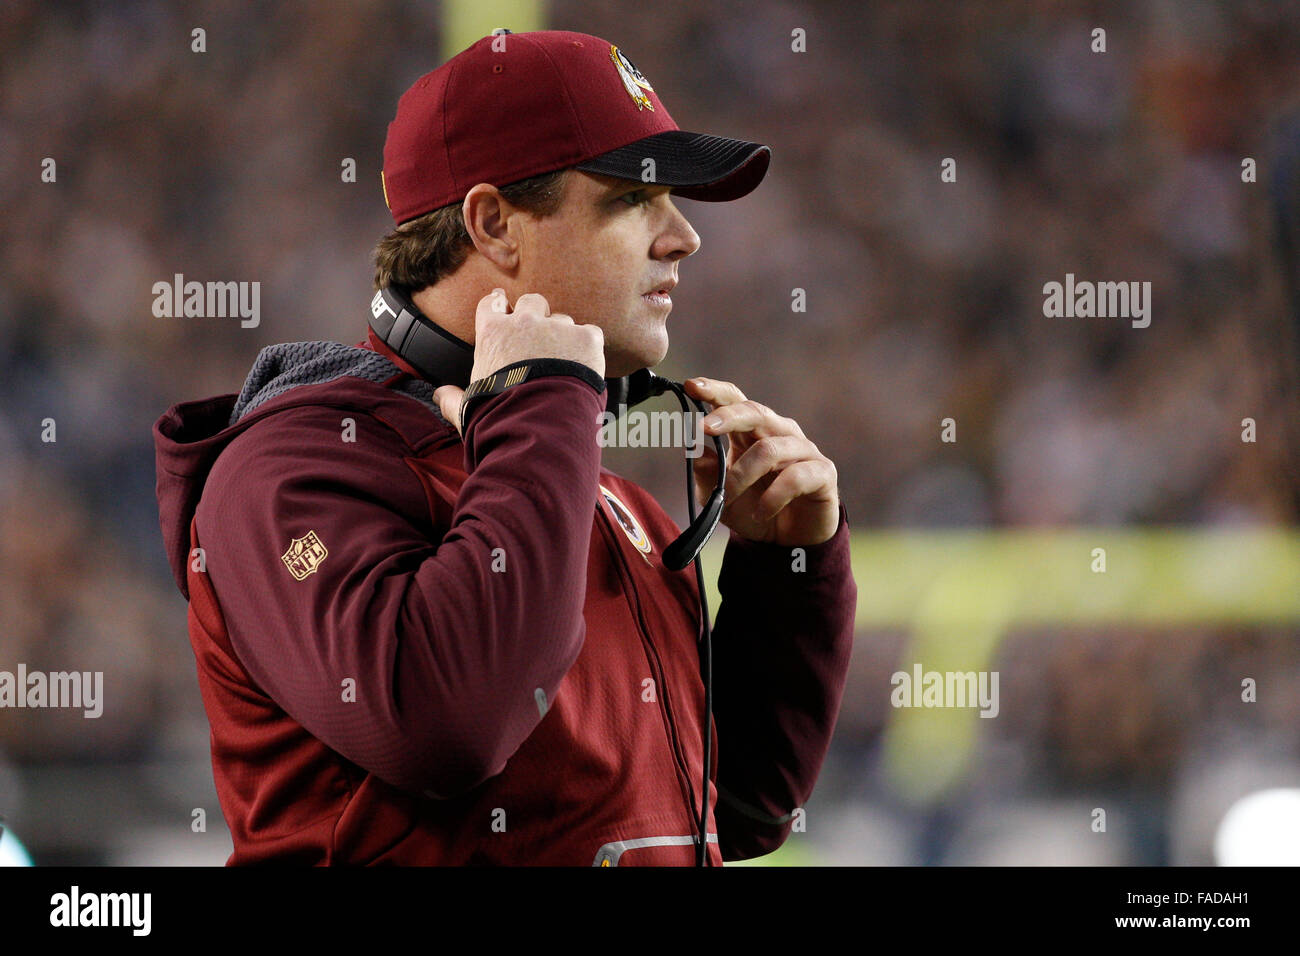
(656, 666)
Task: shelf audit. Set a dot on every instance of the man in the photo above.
(423, 633)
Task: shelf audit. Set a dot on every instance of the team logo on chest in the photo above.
(631, 527)
(305, 555)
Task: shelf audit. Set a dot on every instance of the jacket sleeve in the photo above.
(426, 655)
(781, 647)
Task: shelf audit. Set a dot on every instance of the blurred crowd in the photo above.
(924, 302)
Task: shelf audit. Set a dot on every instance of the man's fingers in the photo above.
(532, 304)
(764, 456)
(713, 392)
(801, 478)
(449, 399)
(750, 416)
(494, 301)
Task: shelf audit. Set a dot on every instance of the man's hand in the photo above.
(503, 337)
(780, 489)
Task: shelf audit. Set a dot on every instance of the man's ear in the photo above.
(486, 215)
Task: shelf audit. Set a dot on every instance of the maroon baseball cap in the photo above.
(517, 105)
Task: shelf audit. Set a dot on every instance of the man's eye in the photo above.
(635, 197)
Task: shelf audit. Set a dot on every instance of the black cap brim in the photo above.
(696, 165)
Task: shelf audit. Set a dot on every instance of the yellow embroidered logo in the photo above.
(631, 527)
(305, 555)
(633, 81)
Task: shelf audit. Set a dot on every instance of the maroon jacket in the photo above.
(415, 650)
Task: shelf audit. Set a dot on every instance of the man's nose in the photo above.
(678, 239)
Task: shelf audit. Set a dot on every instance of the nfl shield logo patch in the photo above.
(305, 555)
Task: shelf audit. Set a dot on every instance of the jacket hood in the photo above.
(190, 436)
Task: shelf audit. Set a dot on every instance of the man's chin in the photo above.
(628, 362)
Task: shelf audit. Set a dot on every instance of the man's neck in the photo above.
(451, 305)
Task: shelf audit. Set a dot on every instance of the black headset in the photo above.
(444, 359)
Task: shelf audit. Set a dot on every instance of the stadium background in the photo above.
(1120, 691)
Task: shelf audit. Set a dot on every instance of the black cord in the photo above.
(708, 712)
(706, 650)
(701, 851)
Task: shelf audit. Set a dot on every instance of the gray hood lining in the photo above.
(282, 367)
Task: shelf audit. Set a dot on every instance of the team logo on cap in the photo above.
(633, 81)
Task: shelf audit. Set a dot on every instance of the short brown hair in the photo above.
(429, 248)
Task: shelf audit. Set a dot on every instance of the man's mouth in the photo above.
(661, 296)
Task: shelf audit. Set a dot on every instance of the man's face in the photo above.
(601, 257)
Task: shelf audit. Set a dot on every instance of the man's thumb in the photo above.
(449, 398)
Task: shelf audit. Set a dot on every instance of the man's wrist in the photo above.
(516, 373)
(816, 555)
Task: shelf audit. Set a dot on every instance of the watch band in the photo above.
(517, 373)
